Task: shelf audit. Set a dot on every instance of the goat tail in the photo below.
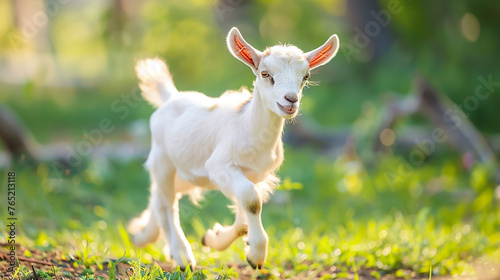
(155, 81)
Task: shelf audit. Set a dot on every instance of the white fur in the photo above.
(231, 143)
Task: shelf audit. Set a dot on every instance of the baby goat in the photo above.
(231, 143)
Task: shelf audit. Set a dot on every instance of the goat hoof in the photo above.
(254, 266)
(203, 241)
(208, 237)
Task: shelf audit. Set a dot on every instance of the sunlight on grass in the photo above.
(328, 230)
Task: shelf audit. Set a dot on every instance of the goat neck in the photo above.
(263, 124)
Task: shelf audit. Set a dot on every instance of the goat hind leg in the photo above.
(144, 229)
(219, 238)
(167, 215)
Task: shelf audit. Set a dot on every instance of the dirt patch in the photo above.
(63, 267)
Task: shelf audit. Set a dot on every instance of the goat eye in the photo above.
(306, 77)
(265, 74)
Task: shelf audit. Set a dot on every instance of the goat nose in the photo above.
(292, 97)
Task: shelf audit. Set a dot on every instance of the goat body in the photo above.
(231, 143)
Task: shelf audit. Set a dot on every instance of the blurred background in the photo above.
(64, 62)
(405, 117)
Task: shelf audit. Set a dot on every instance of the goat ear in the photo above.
(323, 54)
(243, 51)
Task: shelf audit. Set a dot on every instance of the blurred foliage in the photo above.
(91, 46)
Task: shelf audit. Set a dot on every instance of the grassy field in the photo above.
(330, 219)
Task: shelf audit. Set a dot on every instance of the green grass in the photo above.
(341, 215)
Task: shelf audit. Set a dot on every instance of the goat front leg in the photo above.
(167, 214)
(233, 183)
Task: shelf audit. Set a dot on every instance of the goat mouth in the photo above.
(287, 109)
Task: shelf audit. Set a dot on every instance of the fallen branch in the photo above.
(25, 259)
(13, 135)
(444, 114)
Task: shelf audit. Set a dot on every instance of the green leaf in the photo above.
(400, 273)
(375, 274)
(113, 266)
(87, 272)
(422, 218)
(28, 89)
(289, 185)
(342, 275)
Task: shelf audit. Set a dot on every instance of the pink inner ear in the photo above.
(242, 50)
(322, 54)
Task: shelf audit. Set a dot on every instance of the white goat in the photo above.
(231, 143)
